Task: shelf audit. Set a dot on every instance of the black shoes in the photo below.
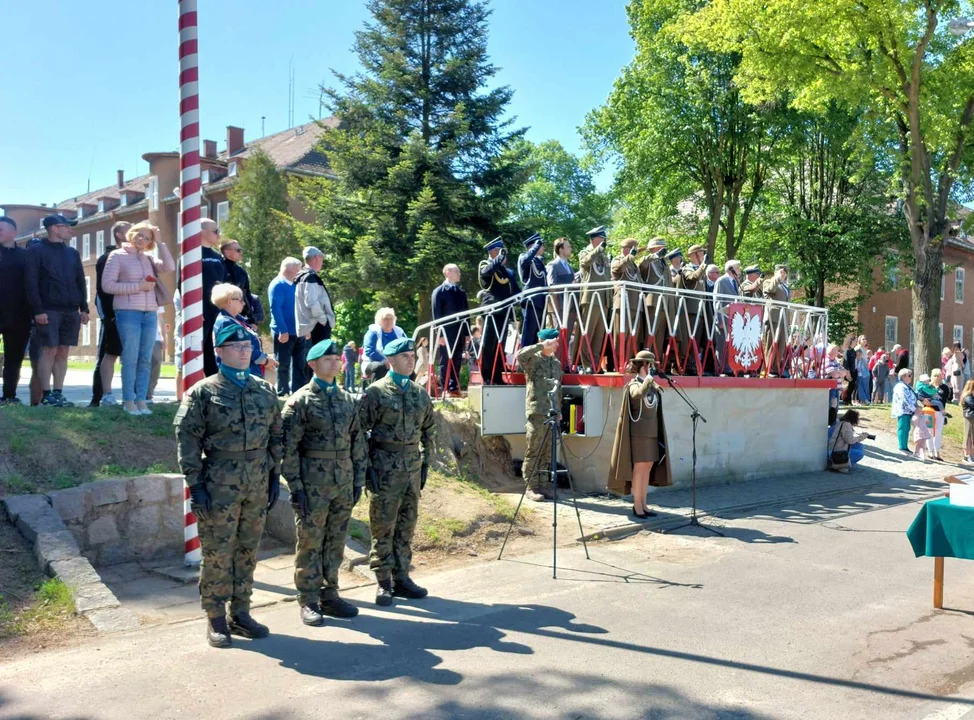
(406, 588)
(643, 516)
(245, 626)
(217, 632)
(311, 615)
(383, 594)
(331, 604)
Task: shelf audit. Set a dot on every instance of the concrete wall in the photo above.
(750, 433)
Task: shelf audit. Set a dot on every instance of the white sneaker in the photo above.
(108, 399)
(143, 410)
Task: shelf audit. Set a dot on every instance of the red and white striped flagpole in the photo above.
(191, 257)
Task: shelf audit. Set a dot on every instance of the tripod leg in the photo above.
(513, 520)
(578, 515)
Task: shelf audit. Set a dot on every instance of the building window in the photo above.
(86, 334)
(74, 242)
(891, 330)
(101, 206)
(205, 177)
(943, 282)
(913, 340)
(959, 285)
(959, 334)
(940, 329)
(123, 199)
(894, 278)
(232, 169)
(86, 246)
(222, 212)
(152, 192)
(204, 210)
(87, 288)
(99, 243)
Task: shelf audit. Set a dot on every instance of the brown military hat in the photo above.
(696, 248)
(644, 356)
(656, 243)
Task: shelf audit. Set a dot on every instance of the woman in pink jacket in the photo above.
(130, 275)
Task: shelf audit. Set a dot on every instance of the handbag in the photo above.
(163, 293)
(838, 458)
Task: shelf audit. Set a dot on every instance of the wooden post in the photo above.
(938, 583)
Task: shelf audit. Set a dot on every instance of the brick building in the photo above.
(152, 197)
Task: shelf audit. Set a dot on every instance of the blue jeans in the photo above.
(863, 382)
(137, 330)
(350, 378)
(290, 355)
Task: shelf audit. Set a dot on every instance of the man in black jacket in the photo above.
(109, 342)
(448, 299)
(14, 315)
(58, 299)
(498, 283)
(214, 272)
(236, 275)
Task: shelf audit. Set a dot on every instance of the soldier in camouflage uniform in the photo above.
(324, 465)
(399, 414)
(542, 372)
(228, 433)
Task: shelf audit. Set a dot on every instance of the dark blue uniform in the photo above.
(533, 274)
(499, 284)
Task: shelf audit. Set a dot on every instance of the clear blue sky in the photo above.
(110, 71)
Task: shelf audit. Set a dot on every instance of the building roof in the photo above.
(293, 149)
(113, 192)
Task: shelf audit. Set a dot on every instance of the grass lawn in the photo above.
(168, 370)
(878, 417)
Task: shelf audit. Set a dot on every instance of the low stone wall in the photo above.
(124, 519)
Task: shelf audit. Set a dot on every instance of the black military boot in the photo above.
(245, 626)
(405, 587)
(217, 632)
(311, 615)
(383, 594)
(331, 604)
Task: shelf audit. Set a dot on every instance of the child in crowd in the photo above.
(922, 436)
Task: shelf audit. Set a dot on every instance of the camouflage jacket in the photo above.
(539, 372)
(322, 421)
(398, 416)
(217, 415)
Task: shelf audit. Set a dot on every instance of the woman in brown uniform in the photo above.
(636, 445)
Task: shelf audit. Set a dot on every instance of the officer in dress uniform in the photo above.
(691, 276)
(542, 373)
(776, 325)
(751, 287)
(229, 445)
(627, 320)
(498, 284)
(654, 271)
(533, 274)
(324, 465)
(593, 263)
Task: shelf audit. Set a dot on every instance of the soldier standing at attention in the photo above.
(324, 465)
(627, 320)
(399, 414)
(533, 274)
(776, 322)
(692, 325)
(654, 272)
(498, 283)
(542, 372)
(229, 443)
(593, 266)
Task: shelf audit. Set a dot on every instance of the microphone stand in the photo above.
(694, 416)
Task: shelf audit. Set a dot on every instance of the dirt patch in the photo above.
(44, 449)
(34, 613)
(463, 452)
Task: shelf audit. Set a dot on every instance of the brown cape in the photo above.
(620, 466)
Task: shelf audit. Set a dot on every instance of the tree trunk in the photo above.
(716, 207)
(926, 303)
(425, 312)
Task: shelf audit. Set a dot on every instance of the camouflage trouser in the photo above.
(392, 521)
(320, 545)
(229, 537)
(537, 453)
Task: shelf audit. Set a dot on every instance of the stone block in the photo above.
(142, 525)
(113, 554)
(176, 487)
(149, 489)
(93, 596)
(33, 523)
(75, 572)
(280, 520)
(70, 504)
(171, 525)
(16, 505)
(109, 492)
(111, 620)
(103, 530)
(53, 547)
(78, 531)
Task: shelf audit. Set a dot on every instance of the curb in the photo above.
(58, 555)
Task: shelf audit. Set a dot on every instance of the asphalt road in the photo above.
(809, 611)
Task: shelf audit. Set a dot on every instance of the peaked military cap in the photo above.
(752, 269)
(398, 346)
(780, 266)
(600, 231)
(495, 244)
(325, 347)
(677, 253)
(696, 248)
(547, 334)
(230, 332)
(532, 240)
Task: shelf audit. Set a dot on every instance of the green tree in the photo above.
(560, 198)
(896, 59)
(259, 221)
(426, 163)
(681, 134)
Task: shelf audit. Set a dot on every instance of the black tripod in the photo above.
(694, 416)
(552, 428)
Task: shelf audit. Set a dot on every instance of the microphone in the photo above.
(660, 373)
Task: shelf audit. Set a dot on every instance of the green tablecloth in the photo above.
(943, 530)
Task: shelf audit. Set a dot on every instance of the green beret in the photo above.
(547, 334)
(230, 332)
(325, 347)
(398, 346)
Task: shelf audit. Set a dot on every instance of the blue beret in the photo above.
(532, 240)
(678, 253)
(600, 231)
(398, 346)
(230, 332)
(547, 334)
(325, 347)
(495, 244)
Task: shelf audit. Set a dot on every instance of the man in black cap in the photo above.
(449, 299)
(751, 287)
(58, 299)
(596, 305)
(691, 324)
(14, 316)
(498, 284)
(533, 274)
(109, 342)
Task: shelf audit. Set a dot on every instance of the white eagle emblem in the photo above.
(746, 338)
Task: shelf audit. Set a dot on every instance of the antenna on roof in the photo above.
(262, 119)
(91, 167)
(290, 93)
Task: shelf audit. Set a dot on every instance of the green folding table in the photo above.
(942, 530)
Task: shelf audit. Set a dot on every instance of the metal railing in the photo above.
(602, 325)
